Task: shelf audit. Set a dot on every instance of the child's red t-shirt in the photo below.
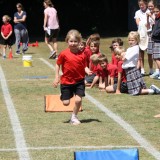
(6, 29)
(121, 70)
(114, 59)
(112, 70)
(73, 66)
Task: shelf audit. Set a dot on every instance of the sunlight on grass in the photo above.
(52, 129)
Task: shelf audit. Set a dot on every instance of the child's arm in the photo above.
(96, 78)
(56, 80)
(88, 71)
(3, 35)
(9, 34)
(119, 83)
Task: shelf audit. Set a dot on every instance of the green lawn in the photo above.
(45, 132)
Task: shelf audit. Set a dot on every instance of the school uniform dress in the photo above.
(156, 39)
(135, 81)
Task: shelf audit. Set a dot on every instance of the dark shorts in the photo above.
(90, 78)
(8, 41)
(67, 91)
(54, 34)
(123, 88)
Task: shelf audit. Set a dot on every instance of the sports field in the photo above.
(109, 121)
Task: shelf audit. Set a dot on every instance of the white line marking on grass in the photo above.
(127, 127)
(18, 132)
(142, 141)
(67, 147)
(47, 63)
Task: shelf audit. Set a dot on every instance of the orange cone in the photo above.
(10, 55)
(37, 44)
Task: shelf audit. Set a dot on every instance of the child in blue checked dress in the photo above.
(135, 82)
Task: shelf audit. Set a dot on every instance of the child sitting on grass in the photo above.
(135, 82)
(121, 85)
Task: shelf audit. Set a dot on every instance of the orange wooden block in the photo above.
(54, 104)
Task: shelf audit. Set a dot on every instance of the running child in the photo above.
(73, 63)
(6, 32)
(121, 85)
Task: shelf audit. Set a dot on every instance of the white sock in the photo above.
(150, 91)
(4, 54)
(157, 70)
(142, 70)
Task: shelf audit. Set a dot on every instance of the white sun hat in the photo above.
(142, 30)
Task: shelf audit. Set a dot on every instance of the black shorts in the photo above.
(123, 88)
(67, 91)
(89, 79)
(54, 34)
(8, 41)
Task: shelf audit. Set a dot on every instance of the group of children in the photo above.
(83, 64)
(147, 20)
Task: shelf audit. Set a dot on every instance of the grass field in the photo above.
(49, 136)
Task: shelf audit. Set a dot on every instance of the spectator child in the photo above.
(82, 46)
(6, 32)
(156, 37)
(135, 82)
(121, 86)
(94, 48)
(73, 63)
(141, 21)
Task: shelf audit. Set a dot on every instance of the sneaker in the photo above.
(158, 78)
(52, 55)
(154, 75)
(17, 53)
(155, 88)
(74, 120)
(4, 56)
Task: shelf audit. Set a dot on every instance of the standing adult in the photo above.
(20, 29)
(51, 27)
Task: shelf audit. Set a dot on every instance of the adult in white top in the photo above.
(51, 27)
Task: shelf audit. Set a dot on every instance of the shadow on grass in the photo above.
(85, 121)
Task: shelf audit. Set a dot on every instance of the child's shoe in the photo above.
(155, 75)
(4, 56)
(74, 120)
(52, 55)
(155, 88)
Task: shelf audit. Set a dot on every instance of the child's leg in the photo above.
(66, 102)
(4, 51)
(74, 119)
(110, 89)
(150, 62)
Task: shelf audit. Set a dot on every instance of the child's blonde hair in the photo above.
(8, 18)
(134, 35)
(95, 43)
(119, 50)
(94, 58)
(73, 33)
(102, 58)
(144, 1)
